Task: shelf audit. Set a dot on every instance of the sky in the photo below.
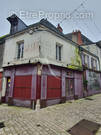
(87, 18)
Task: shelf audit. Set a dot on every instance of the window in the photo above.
(14, 27)
(93, 64)
(86, 60)
(68, 73)
(82, 58)
(20, 50)
(58, 52)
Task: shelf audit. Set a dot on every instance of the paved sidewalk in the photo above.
(53, 120)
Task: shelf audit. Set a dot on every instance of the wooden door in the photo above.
(69, 87)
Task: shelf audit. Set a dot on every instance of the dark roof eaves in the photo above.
(28, 27)
(36, 24)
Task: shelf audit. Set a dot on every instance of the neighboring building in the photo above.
(96, 50)
(2, 42)
(87, 44)
(91, 61)
(40, 63)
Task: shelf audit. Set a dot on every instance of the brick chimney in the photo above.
(59, 28)
(76, 37)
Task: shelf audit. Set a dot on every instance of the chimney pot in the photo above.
(59, 28)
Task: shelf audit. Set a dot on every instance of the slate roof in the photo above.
(50, 26)
(98, 44)
(85, 40)
(43, 22)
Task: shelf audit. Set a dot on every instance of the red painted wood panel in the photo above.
(53, 87)
(38, 91)
(22, 87)
(0, 81)
(0, 75)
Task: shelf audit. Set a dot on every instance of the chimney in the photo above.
(76, 37)
(59, 28)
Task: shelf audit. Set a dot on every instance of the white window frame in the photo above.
(59, 52)
(20, 46)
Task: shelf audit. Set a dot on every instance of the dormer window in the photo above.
(16, 24)
(20, 50)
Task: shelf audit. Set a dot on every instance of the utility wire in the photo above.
(88, 27)
(74, 10)
(98, 29)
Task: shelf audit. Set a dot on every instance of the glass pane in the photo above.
(67, 87)
(71, 87)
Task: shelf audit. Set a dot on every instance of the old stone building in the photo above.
(41, 63)
(2, 42)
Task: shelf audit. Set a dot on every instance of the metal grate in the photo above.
(85, 127)
(2, 125)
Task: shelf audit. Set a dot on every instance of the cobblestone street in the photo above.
(53, 120)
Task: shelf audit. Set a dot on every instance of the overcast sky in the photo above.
(89, 25)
